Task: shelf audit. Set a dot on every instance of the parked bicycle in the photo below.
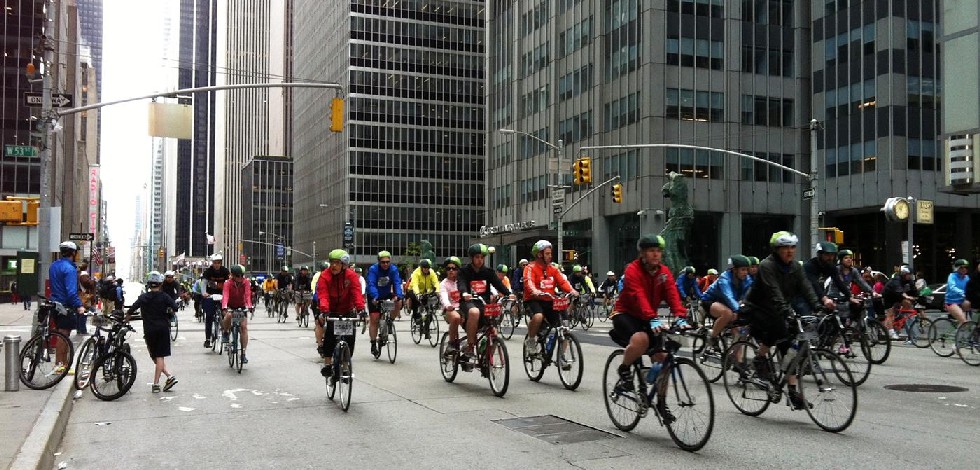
(114, 371)
(491, 353)
(342, 377)
(39, 366)
(427, 324)
(92, 349)
(676, 389)
(550, 339)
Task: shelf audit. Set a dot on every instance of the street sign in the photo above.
(558, 196)
(808, 194)
(19, 151)
(280, 251)
(81, 236)
(348, 234)
(557, 209)
(923, 212)
(58, 100)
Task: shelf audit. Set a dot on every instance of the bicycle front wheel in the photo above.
(942, 334)
(39, 366)
(829, 388)
(853, 350)
(113, 375)
(569, 361)
(499, 367)
(433, 332)
(174, 326)
(507, 324)
(83, 365)
(624, 405)
(879, 344)
(709, 363)
(392, 345)
(687, 394)
(534, 362)
(416, 325)
(968, 343)
(345, 378)
(920, 330)
(447, 360)
(589, 318)
(743, 384)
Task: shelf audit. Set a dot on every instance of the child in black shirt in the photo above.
(156, 308)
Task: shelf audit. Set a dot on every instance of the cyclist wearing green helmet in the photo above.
(722, 299)
(424, 282)
(647, 282)
(236, 294)
(475, 280)
(753, 266)
(338, 296)
(768, 304)
(817, 270)
(502, 271)
(383, 282)
(956, 301)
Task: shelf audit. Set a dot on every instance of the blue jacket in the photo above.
(517, 281)
(64, 283)
(686, 284)
(956, 288)
(381, 283)
(723, 290)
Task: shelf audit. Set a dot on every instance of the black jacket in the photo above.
(776, 285)
(153, 307)
(973, 288)
(818, 272)
(477, 282)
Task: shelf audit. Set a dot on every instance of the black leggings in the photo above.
(767, 328)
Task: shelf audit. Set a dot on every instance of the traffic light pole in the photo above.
(561, 216)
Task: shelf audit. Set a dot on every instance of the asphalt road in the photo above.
(276, 415)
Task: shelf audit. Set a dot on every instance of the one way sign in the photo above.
(58, 100)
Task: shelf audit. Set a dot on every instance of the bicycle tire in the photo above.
(968, 343)
(346, 377)
(606, 310)
(332, 386)
(174, 327)
(856, 360)
(270, 308)
(818, 387)
(216, 335)
(498, 367)
(392, 343)
(433, 329)
(83, 364)
(879, 344)
(448, 364)
(572, 377)
(232, 348)
(239, 362)
(696, 411)
(507, 324)
(625, 408)
(589, 318)
(534, 366)
(113, 375)
(942, 334)
(746, 391)
(712, 365)
(33, 373)
(922, 339)
(416, 330)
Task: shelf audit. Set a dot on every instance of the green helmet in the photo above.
(753, 261)
(452, 260)
(688, 270)
(783, 238)
(477, 249)
(960, 263)
(357, 269)
(339, 255)
(826, 247)
(739, 261)
(502, 268)
(576, 269)
(238, 270)
(384, 254)
(650, 240)
(844, 253)
(539, 246)
(425, 263)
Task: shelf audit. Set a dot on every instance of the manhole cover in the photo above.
(554, 429)
(934, 388)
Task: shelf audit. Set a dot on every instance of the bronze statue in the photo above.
(680, 218)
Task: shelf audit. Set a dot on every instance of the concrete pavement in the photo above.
(276, 415)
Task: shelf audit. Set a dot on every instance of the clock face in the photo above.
(902, 209)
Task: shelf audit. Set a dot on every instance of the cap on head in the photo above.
(83, 273)
(502, 268)
(452, 260)
(753, 261)
(844, 254)
(169, 274)
(384, 254)
(712, 272)
(216, 257)
(904, 269)
(688, 270)
(522, 262)
(826, 247)
(154, 278)
(238, 270)
(340, 255)
(477, 249)
(67, 245)
(576, 269)
(961, 263)
(610, 273)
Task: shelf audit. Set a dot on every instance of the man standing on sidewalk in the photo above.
(63, 275)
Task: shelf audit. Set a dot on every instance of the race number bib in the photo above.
(454, 296)
(547, 284)
(478, 287)
(343, 328)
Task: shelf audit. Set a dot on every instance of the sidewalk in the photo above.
(32, 421)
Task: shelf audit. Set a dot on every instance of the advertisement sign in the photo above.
(93, 199)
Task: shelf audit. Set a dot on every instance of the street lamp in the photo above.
(558, 189)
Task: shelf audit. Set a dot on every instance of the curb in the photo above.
(38, 449)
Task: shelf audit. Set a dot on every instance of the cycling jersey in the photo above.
(541, 279)
(777, 285)
(449, 294)
(705, 282)
(422, 283)
(269, 285)
(284, 280)
(817, 271)
(215, 279)
(302, 283)
(383, 283)
(578, 282)
(956, 288)
(236, 293)
(852, 280)
(339, 293)
(728, 290)
(687, 286)
(478, 282)
(589, 284)
(643, 292)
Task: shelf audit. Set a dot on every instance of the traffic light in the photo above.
(832, 234)
(32, 206)
(617, 193)
(337, 115)
(571, 255)
(577, 172)
(585, 166)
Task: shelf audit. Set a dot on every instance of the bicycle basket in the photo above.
(560, 304)
(492, 310)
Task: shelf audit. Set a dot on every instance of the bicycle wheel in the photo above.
(345, 379)
(968, 343)
(232, 348)
(710, 364)
(853, 350)
(828, 387)
(270, 307)
(173, 327)
(332, 385)
(39, 368)
(433, 329)
(392, 343)
(879, 344)
(688, 397)
(625, 407)
(589, 319)
(920, 328)
(113, 375)
(606, 310)
(499, 367)
(447, 361)
(216, 335)
(748, 392)
(416, 325)
(534, 363)
(83, 364)
(942, 334)
(507, 324)
(241, 362)
(569, 361)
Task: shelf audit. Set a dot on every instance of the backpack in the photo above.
(108, 291)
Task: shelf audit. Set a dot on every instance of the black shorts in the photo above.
(626, 325)
(545, 308)
(330, 340)
(464, 312)
(768, 328)
(66, 322)
(157, 342)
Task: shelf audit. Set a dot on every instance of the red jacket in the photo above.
(339, 294)
(643, 292)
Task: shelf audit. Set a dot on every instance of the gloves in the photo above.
(655, 324)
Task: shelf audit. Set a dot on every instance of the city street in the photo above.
(276, 415)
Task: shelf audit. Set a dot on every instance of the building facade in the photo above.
(409, 165)
(267, 213)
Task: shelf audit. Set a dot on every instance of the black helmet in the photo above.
(650, 240)
(425, 263)
(739, 261)
(477, 249)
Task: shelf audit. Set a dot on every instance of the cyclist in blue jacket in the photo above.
(956, 302)
(722, 299)
(383, 283)
(687, 284)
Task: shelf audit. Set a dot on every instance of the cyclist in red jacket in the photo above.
(338, 292)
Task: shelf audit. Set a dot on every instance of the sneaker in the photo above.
(665, 413)
(375, 350)
(625, 383)
(796, 399)
(893, 335)
(171, 381)
(321, 351)
(59, 369)
(224, 338)
(155, 388)
(244, 359)
(207, 343)
(681, 324)
(843, 350)
(451, 348)
(761, 366)
(909, 342)
(326, 370)
(531, 344)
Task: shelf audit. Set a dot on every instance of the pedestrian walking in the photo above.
(14, 297)
(155, 307)
(87, 292)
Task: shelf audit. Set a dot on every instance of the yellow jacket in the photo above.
(422, 284)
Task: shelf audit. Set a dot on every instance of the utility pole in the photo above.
(814, 212)
(44, 218)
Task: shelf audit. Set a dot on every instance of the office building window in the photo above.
(923, 92)
(709, 8)
(564, 5)
(575, 38)
(623, 164)
(701, 53)
(622, 46)
(695, 163)
(574, 83)
(922, 155)
(850, 99)
(576, 128)
(920, 36)
(851, 159)
(771, 12)
(536, 60)
(532, 147)
(623, 111)
(690, 105)
(536, 101)
(767, 111)
(758, 171)
(536, 18)
(767, 61)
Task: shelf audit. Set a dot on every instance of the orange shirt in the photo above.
(542, 278)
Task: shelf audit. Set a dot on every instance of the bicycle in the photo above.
(216, 325)
(679, 381)
(915, 325)
(282, 305)
(173, 325)
(91, 349)
(39, 368)
(942, 335)
(710, 363)
(583, 312)
(236, 356)
(511, 317)
(608, 302)
(568, 347)
(343, 371)
(491, 357)
(836, 335)
(427, 324)
(387, 336)
(303, 317)
(823, 377)
(114, 372)
(873, 333)
(968, 342)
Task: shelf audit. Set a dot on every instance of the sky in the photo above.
(132, 52)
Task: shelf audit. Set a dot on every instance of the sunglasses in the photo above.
(452, 269)
(384, 262)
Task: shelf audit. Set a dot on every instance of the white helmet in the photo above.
(523, 261)
(154, 278)
(68, 245)
(610, 273)
(169, 273)
(540, 246)
(216, 257)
